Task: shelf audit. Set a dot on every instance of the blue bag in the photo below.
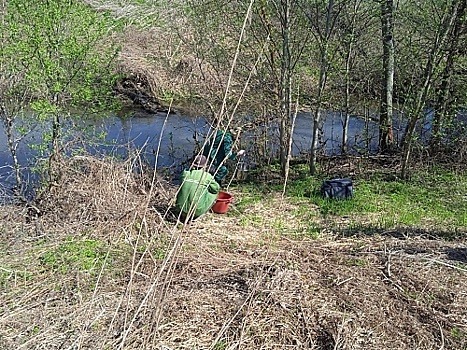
(337, 189)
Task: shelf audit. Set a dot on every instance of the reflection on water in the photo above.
(170, 141)
(361, 134)
(173, 138)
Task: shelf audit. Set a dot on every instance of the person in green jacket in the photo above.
(198, 190)
(219, 149)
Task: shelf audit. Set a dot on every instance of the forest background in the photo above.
(380, 60)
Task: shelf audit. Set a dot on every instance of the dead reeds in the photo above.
(223, 282)
(99, 190)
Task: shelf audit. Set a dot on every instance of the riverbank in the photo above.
(102, 259)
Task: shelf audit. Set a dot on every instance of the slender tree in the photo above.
(65, 61)
(353, 25)
(285, 85)
(12, 96)
(435, 55)
(445, 106)
(323, 37)
(386, 138)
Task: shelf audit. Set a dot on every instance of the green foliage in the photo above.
(43, 109)
(76, 255)
(58, 57)
(63, 50)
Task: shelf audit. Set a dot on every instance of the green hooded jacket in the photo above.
(197, 193)
(220, 147)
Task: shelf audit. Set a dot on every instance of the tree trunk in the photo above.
(321, 85)
(285, 93)
(316, 121)
(386, 138)
(348, 61)
(345, 124)
(8, 123)
(53, 169)
(441, 106)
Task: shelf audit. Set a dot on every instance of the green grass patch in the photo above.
(356, 262)
(11, 276)
(435, 197)
(158, 247)
(307, 227)
(254, 220)
(458, 333)
(310, 230)
(76, 255)
(250, 196)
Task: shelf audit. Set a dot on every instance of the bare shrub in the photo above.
(93, 190)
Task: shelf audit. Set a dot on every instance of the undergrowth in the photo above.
(102, 262)
(86, 255)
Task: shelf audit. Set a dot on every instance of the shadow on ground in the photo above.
(403, 233)
(457, 254)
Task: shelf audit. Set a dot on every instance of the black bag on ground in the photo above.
(337, 189)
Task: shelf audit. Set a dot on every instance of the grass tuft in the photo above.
(76, 255)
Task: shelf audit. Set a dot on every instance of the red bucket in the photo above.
(222, 203)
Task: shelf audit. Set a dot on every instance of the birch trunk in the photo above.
(386, 138)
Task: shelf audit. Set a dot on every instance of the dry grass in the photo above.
(100, 264)
(236, 281)
(161, 63)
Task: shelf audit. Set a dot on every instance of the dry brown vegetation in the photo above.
(158, 61)
(105, 266)
(100, 263)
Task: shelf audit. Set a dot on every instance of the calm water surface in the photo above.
(173, 139)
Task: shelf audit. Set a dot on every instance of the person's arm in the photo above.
(213, 187)
(228, 143)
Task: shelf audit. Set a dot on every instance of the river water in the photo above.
(173, 137)
(170, 137)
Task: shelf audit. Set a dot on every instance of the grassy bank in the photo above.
(104, 260)
(433, 200)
